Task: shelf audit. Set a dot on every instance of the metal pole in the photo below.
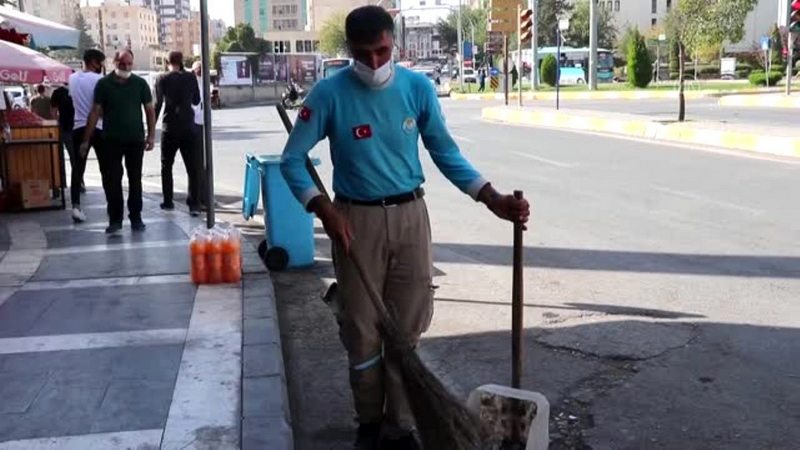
(534, 49)
(517, 305)
(558, 66)
(593, 45)
(519, 54)
(460, 52)
(505, 67)
(658, 60)
(204, 44)
(789, 62)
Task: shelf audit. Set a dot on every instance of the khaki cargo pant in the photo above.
(394, 244)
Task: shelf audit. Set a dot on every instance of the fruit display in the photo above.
(23, 118)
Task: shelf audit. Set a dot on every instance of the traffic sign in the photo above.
(765, 43)
(503, 15)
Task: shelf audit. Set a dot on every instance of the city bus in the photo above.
(332, 65)
(575, 60)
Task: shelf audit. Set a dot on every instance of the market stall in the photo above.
(31, 161)
(43, 33)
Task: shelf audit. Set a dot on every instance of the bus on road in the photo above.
(575, 60)
(332, 65)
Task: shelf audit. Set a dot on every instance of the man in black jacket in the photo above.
(177, 92)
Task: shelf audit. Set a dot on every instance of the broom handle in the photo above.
(374, 296)
(516, 305)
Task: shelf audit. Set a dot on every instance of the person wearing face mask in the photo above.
(373, 114)
(81, 89)
(119, 98)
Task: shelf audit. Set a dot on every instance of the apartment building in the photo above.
(61, 11)
(116, 25)
(184, 35)
(645, 14)
(167, 11)
(272, 15)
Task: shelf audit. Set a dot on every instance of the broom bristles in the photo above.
(443, 421)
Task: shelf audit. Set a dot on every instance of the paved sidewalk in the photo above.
(105, 343)
(634, 94)
(780, 141)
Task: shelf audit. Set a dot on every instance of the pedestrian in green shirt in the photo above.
(119, 98)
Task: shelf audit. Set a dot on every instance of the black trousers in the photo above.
(78, 163)
(110, 155)
(200, 151)
(185, 142)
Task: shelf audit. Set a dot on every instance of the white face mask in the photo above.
(124, 74)
(374, 78)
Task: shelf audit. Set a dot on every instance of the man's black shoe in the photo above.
(406, 442)
(114, 229)
(167, 206)
(138, 225)
(194, 212)
(368, 437)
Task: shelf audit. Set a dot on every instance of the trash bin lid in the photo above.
(276, 159)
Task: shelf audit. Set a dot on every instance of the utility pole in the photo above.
(460, 51)
(534, 47)
(505, 67)
(519, 54)
(593, 45)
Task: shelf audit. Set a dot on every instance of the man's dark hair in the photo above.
(366, 24)
(93, 55)
(40, 88)
(175, 58)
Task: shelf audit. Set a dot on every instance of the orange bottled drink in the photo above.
(232, 256)
(198, 246)
(214, 257)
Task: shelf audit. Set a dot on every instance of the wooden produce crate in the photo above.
(32, 164)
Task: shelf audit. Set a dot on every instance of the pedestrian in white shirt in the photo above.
(81, 89)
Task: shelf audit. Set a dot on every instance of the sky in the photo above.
(217, 9)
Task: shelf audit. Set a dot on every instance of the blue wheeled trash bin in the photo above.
(288, 227)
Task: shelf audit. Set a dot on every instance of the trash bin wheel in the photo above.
(262, 249)
(276, 258)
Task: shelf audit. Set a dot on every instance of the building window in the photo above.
(669, 4)
(653, 21)
(316, 46)
(421, 2)
(654, 7)
(609, 5)
(309, 46)
(298, 45)
(616, 5)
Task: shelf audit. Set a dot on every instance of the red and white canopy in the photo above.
(23, 65)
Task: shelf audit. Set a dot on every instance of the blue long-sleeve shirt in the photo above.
(373, 136)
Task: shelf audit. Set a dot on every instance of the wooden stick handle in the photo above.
(516, 304)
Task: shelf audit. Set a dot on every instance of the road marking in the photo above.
(462, 138)
(210, 372)
(546, 161)
(85, 341)
(139, 439)
(103, 282)
(700, 198)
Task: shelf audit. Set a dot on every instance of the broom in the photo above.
(443, 421)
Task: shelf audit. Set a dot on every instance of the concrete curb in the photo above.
(761, 101)
(684, 133)
(601, 95)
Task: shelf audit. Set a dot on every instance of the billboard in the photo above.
(301, 69)
(235, 71)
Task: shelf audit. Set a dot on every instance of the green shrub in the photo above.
(640, 67)
(549, 70)
(759, 78)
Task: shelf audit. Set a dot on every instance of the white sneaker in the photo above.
(78, 216)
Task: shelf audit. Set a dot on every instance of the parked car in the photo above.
(18, 96)
(439, 83)
(470, 76)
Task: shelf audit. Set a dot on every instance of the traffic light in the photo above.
(526, 25)
(794, 17)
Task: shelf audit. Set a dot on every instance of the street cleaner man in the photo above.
(373, 114)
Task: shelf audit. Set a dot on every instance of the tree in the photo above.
(578, 33)
(332, 41)
(85, 42)
(640, 68)
(240, 38)
(547, 20)
(549, 70)
(777, 49)
(471, 20)
(694, 23)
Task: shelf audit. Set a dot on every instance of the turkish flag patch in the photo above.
(304, 114)
(362, 132)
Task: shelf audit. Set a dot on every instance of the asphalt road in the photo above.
(704, 109)
(661, 288)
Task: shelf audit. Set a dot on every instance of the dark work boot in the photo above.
(368, 437)
(404, 442)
